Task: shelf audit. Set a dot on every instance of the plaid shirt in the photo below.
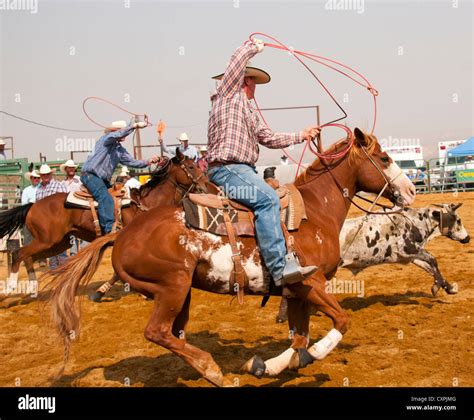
(50, 188)
(235, 129)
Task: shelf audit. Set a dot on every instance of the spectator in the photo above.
(72, 181)
(202, 161)
(3, 156)
(420, 175)
(29, 193)
(29, 196)
(47, 187)
(129, 180)
(184, 148)
(269, 177)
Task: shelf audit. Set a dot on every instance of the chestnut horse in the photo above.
(163, 259)
(52, 224)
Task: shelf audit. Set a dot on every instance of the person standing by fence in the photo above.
(29, 196)
(47, 187)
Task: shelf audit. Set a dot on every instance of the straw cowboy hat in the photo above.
(117, 125)
(2, 142)
(34, 173)
(183, 137)
(261, 77)
(203, 149)
(68, 164)
(45, 169)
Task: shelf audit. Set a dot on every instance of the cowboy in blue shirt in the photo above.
(99, 167)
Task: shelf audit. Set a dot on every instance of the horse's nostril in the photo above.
(466, 240)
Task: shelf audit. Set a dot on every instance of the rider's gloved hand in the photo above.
(259, 44)
(140, 124)
(154, 159)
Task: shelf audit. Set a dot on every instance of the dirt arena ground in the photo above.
(400, 335)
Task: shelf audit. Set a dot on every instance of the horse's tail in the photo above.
(13, 219)
(64, 282)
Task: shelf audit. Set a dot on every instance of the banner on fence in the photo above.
(465, 175)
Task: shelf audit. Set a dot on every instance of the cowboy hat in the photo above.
(68, 164)
(261, 76)
(125, 171)
(203, 149)
(117, 125)
(34, 173)
(2, 142)
(45, 169)
(183, 137)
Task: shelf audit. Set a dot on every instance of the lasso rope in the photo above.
(97, 98)
(334, 123)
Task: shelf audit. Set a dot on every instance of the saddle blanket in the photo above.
(204, 213)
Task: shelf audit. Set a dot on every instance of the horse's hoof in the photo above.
(96, 297)
(218, 379)
(281, 319)
(255, 366)
(452, 289)
(300, 359)
(435, 289)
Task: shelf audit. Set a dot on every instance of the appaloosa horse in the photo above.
(169, 259)
(52, 224)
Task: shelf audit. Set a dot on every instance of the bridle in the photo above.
(388, 184)
(185, 190)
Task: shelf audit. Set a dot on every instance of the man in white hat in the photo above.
(202, 161)
(72, 181)
(185, 148)
(3, 156)
(128, 177)
(235, 131)
(48, 185)
(99, 167)
(28, 195)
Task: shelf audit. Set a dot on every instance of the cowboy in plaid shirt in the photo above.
(235, 130)
(48, 185)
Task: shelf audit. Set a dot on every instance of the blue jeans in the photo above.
(241, 183)
(98, 188)
(57, 260)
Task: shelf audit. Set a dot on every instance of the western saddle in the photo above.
(117, 191)
(220, 215)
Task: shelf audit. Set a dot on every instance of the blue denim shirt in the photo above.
(108, 153)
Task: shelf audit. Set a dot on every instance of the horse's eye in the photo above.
(385, 159)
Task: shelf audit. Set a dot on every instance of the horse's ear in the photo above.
(455, 206)
(179, 155)
(360, 137)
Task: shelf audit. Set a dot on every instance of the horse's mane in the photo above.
(355, 155)
(159, 176)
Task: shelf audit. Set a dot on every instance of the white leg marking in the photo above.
(323, 347)
(12, 283)
(278, 364)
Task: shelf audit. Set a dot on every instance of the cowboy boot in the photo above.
(294, 272)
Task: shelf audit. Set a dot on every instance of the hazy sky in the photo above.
(160, 55)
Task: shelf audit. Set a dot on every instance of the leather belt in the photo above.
(218, 163)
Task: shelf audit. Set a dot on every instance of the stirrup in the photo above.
(293, 271)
